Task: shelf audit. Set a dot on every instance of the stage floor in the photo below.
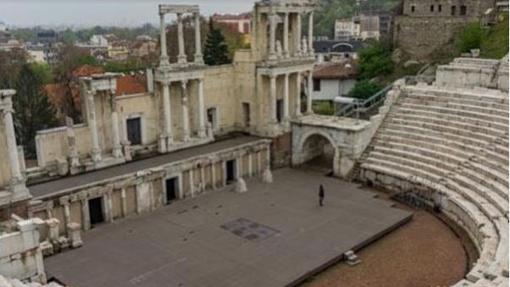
(273, 235)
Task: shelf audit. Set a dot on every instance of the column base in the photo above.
(199, 60)
(96, 155)
(19, 190)
(162, 144)
(182, 59)
(267, 176)
(117, 152)
(241, 186)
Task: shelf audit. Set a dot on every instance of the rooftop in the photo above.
(333, 71)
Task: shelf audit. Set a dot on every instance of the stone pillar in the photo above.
(310, 34)
(267, 175)
(117, 147)
(309, 109)
(166, 136)
(201, 110)
(123, 202)
(181, 58)
(213, 175)
(272, 99)
(286, 98)
(191, 183)
(163, 59)
(199, 58)
(185, 112)
(297, 43)
(272, 36)
(259, 162)
(96, 149)
(286, 35)
(67, 216)
(298, 96)
(11, 144)
(108, 203)
(250, 164)
(202, 177)
(85, 215)
(74, 158)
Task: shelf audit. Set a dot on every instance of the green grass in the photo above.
(495, 42)
(323, 108)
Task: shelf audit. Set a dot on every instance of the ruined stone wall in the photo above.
(474, 8)
(427, 38)
(20, 256)
(145, 191)
(220, 91)
(144, 106)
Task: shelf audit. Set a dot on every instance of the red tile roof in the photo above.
(340, 71)
(129, 85)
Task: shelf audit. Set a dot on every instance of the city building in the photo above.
(332, 80)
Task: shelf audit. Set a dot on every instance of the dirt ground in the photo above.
(423, 253)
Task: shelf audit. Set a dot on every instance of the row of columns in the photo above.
(181, 57)
(298, 49)
(166, 137)
(286, 107)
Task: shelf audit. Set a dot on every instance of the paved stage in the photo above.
(273, 235)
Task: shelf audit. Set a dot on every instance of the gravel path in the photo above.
(423, 253)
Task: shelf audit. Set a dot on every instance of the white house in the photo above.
(331, 80)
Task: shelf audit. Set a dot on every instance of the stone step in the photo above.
(460, 114)
(494, 174)
(461, 107)
(472, 127)
(457, 142)
(442, 130)
(487, 95)
(490, 196)
(424, 98)
(442, 151)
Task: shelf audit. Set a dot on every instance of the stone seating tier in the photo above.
(451, 142)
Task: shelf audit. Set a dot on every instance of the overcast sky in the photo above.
(102, 12)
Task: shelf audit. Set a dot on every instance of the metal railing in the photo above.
(361, 106)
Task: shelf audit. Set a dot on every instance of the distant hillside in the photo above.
(330, 10)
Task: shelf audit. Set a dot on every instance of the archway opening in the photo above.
(318, 154)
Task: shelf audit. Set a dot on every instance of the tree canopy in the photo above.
(216, 49)
(375, 60)
(33, 110)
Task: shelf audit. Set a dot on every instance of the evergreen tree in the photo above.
(216, 49)
(33, 111)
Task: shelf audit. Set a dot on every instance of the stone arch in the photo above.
(312, 144)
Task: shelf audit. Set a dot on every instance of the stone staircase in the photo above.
(450, 146)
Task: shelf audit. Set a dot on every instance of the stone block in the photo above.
(75, 235)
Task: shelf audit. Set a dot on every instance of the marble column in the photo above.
(309, 109)
(297, 51)
(259, 162)
(67, 217)
(213, 175)
(96, 149)
(201, 110)
(191, 183)
(166, 137)
(250, 164)
(286, 35)
(163, 59)
(272, 36)
(202, 178)
(199, 58)
(117, 147)
(310, 34)
(108, 203)
(185, 111)
(85, 216)
(272, 99)
(286, 98)
(181, 58)
(298, 94)
(11, 144)
(123, 202)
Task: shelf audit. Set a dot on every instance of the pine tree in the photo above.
(216, 50)
(33, 111)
